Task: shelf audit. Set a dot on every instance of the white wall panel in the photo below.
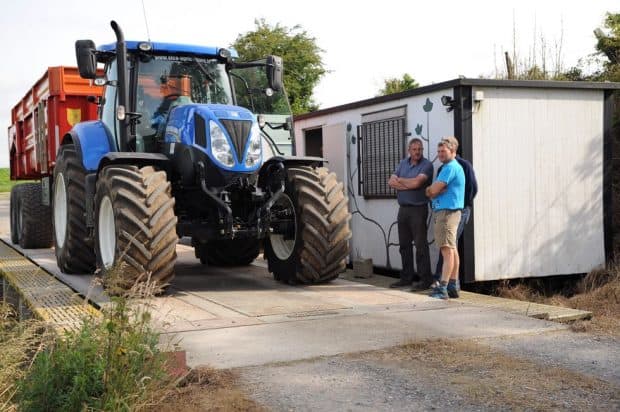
(538, 156)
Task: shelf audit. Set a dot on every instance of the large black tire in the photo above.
(16, 192)
(31, 221)
(36, 219)
(321, 243)
(135, 227)
(234, 252)
(73, 245)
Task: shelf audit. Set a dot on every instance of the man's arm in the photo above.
(435, 189)
(413, 182)
(395, 183)
(441, 183)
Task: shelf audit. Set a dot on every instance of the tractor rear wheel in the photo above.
(16, 192)
(31, 225)
(135, 227)
(315, 242)
(229, 252)
(72, 243)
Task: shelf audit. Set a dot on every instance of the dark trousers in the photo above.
(412, 228)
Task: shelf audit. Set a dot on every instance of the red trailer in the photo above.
(56, 102)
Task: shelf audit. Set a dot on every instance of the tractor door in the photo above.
(110, 101)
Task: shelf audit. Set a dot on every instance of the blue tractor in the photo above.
(190, 142)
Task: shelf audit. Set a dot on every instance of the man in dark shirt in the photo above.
(411, 177)
(471, 189)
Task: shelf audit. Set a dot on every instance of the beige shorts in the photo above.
(446, 225)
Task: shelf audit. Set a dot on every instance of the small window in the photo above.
(382, 147)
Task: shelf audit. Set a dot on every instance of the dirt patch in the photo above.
(432, 375)
(207, 389)
(598, 292)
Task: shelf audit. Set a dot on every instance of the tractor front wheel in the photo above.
(135, 227)
(309, 239)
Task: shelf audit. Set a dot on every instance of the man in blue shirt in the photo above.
(448, 199)
(411, 177)
(471, 189)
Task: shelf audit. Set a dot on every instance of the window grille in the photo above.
(380, 149)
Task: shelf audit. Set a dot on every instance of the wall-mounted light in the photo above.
(449, 102)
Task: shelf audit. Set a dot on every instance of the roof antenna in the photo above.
(146, 23)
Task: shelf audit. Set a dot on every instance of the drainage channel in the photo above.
(34, 292)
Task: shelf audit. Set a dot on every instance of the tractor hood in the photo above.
(229, 135)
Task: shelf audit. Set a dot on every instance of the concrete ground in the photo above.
(231, 317)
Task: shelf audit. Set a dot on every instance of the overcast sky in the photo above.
(363, 44)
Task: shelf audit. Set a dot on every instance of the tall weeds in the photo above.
(111, 363)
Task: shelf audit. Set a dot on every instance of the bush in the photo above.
(111, 363)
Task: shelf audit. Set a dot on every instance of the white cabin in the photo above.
(540, 150)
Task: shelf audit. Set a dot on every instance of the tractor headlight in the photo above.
(219, 145)
(254, 147)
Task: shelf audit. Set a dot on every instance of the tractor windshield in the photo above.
(252, 92)
(164, 82)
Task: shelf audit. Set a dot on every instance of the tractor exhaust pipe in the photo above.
(122, 90)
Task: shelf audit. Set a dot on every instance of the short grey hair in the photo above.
(415, 140)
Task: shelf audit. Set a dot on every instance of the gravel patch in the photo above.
(592, 355)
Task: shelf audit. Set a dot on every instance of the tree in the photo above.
(303, 65)
(395, 85)
(608, 45)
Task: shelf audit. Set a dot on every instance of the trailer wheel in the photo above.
(310, 222)
(72, 243)
(135, 227)
(14, 213)
(34, 221)
(234, 252)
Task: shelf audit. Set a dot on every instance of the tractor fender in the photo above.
(92, 141)
(140, 159)
(273, 164)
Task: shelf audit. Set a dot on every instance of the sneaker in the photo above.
(453, 290)
(421, 285)
(440, 292)
(401, 283)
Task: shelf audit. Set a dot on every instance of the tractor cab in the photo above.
(152, 79)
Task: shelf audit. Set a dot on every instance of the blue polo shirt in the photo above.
(453, 197)
(414, 197)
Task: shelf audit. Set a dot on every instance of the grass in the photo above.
(20, 341)
(598, 292)
(5, 180)
(112, 363)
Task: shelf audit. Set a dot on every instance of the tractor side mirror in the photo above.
(274, 72)
(86, 59)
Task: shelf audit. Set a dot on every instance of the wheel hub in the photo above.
(106, 233)
(60, 210)
(283, 244)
